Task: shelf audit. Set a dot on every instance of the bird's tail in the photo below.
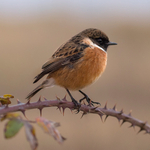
(37, 89)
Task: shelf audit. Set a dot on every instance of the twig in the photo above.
(63, 104)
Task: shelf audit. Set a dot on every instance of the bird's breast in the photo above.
(84, 72)
(94, 64)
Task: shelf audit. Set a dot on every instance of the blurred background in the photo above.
(30, 31)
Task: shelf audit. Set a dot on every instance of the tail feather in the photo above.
(38, 77)
(36, 90)
(46, 83)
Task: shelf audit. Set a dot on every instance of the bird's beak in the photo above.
(111, 43)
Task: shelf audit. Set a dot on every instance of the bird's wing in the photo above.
(66, 54)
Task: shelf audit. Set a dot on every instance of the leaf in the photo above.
(5, 99)
(12, 127)
(50, 128)
(8, 96)
(31, 136)
(10, 116)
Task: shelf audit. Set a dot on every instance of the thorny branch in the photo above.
(63, 104)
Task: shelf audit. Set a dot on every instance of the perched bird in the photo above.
(76, 64)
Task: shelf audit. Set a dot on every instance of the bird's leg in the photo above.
(87, 99)
(78, 105)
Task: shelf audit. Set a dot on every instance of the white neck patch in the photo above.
(91, 44)
(95, 45)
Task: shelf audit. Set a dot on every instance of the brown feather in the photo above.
(57, 61)
(81, 74)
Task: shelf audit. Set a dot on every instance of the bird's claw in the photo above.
(77, 105)
(90, 102)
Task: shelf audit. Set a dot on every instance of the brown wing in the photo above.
(62, 52)
(66, 54)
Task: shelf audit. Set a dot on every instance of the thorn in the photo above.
(44, 98)
(144, 123)
(64, 99)
(84, 113)
(122, 122)
(70, 109)
(40, 109)
(23, 112)
(40, 112)
(147, 131)
(105, 107)
(18, 102)
(119, 120)
(132, 125)
(105, 118)
(39, 99)
(130, 113)
(114, 108)
(63, 110)
(121, 112)
(101, 116)
(57, 98)
(141, 129)
(58, 107)
(28, 102)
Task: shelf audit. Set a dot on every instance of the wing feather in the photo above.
(65, 55)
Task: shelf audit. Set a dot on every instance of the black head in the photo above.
(98, 37)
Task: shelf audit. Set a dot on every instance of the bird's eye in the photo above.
(100, 41)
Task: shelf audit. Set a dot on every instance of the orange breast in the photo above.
(84, 72)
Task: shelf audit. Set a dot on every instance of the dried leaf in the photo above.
(50, 128)
(12, 127)
(31, 136)
(8, 96)
(5, 99)
(10, 116)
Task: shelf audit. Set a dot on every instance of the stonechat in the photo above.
(76, 64)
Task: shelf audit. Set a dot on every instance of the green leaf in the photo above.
(12, 127)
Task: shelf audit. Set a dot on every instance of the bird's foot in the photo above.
(76, 104)
(90, 102)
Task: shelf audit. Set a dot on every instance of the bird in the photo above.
(76, 64)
